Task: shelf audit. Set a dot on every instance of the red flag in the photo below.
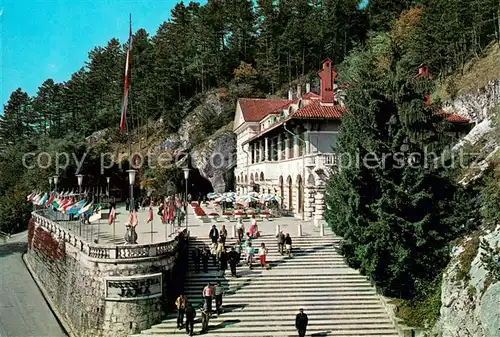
(126, 84)
(133, 218)
(164, 212)
(150, 215)
(51, 199)
(112, 216)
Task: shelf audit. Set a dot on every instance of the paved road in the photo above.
(23, 310)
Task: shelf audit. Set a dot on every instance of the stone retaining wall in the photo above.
(105, 290)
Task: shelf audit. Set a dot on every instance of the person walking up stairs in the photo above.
(263, 302)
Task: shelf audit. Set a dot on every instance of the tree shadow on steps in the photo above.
(223, 324)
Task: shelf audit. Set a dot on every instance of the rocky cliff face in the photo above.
(213, 155)
(470, 298)
(476, 105)
(215, 160)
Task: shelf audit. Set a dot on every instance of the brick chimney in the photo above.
(327, 79)
(423, 71)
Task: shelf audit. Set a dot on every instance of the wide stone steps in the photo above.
(263, 302)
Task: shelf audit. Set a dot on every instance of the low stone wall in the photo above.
(100, 290)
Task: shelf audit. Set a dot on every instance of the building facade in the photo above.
(286, 146)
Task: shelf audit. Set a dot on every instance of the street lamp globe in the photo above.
(56, 180)
(131, 176)
(108, 179)
(80, 179)
(50, 181)
(186, 173)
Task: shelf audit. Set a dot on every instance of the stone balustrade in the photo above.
(104, 290)
(100, 251)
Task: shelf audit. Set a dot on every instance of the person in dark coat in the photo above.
(223, 261)
(214, 234)
(234, 259)
(281, 242)
(196, 256)
(127, 204)
(301, 323)
(190, 315)
(288, 244)
(204, 257)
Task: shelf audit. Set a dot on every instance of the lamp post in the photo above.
(107, 180)
(131, 179)
(56, 180)
(80, 182)
(186, 176)
(50, 183)
(131, 235)
(79, 177)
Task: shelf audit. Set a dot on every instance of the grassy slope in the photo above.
(477, 73)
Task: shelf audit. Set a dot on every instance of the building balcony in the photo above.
(268, 172)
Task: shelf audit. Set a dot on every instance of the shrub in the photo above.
(423, 310)
(467, 256)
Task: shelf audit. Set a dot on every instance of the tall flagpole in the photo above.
(128, 82)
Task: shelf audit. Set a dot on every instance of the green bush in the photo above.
(423, 310)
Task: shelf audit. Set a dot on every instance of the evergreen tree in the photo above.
(18, 121)
(395, 209)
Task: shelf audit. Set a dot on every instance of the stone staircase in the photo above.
(260, 303)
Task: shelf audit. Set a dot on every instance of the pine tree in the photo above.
(399, 208)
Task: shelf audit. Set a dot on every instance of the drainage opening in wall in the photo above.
(130, 325)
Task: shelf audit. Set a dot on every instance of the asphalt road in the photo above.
(23, 310)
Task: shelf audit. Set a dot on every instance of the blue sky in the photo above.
(42, 39)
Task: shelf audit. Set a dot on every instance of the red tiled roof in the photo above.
(316, 110)
(311, 111)
(456, 118)
(254, 109)
(310, 95)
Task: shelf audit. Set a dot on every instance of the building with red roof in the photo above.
(285, 146)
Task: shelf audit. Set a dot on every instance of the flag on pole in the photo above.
(133, 218)
(43, 199)
(51, 199)
(164, 212)
(86, 208)
(112, 216)
(29, 197)
(150, 214)
(126, 81)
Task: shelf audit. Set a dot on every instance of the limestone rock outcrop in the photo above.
(215, 159)
(470, 306)
(476, 105)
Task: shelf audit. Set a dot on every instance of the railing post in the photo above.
(233, 231)
(321, 229)
(299, 230)
(278, 228)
